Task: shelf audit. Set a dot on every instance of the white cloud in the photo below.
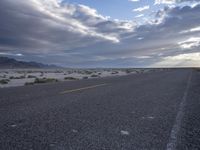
(133, 0)
(142, 57)
(142, 8)
(140, 38)
(46, 25)
(139, 16)
(193, 2)
(190, 43)
(164, 2)
(196, 29)
(91, 12)
(11, 54)
(64, 15)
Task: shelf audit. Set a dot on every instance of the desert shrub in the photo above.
(70, 78)
(20, 77)
(198, 69)
(85, 77)
(88, 72)
(137, 71)
(94, 76)
(128, 71)
(11, 77)
(4, 81)
(41, 74)
(31, 76)
(45, 80)
(115, 72)
(29, 83)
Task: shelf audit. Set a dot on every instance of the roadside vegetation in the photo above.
(31, 76)
(42, 80)
(4, 81)
(198, 69)
(20, 77)
(85, 77)
(94, 76)
(128, 71)
(115, 72)
(70, 78)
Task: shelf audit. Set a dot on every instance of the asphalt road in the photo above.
(158, 111)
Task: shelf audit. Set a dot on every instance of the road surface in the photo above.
(158, 111)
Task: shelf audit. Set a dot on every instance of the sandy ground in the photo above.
(19, 77)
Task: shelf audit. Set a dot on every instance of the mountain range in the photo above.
(10, 63)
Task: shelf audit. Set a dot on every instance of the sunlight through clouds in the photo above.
(186, 60)
(190, 43)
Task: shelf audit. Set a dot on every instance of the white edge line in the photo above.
(176, 127)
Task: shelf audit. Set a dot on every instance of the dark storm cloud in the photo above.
(42, 26)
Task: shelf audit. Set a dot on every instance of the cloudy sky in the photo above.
(100, 33)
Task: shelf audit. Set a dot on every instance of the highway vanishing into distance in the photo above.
(151, 111)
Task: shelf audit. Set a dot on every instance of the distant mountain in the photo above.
(10, 63)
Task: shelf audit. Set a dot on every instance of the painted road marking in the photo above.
(176, 127)
(84, 88)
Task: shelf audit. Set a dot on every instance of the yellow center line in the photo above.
(84, 88)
